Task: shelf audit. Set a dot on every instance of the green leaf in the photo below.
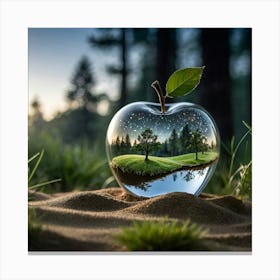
(183, 81)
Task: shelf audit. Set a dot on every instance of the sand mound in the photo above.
(85, 201)
(87, 221)
(231, 203)
(184, 206)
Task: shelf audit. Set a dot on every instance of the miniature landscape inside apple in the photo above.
(151, 153)
(137, 165)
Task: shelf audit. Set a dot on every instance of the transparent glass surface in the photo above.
(151, 153)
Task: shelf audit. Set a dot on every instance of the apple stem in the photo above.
(156, 86)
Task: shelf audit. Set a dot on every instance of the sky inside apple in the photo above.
(144, 115)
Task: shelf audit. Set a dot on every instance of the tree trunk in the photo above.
(249, 47)
(166, 55)
(196, 150)
(146, 153)
(86, 122)
(123, 89)
(215, 84)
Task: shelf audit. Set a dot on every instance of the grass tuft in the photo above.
(163, 235)
(33, 172)
(80, 167)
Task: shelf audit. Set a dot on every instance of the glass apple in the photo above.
(178, 152)
(155, 149)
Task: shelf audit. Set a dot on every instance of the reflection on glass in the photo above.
(152, 153)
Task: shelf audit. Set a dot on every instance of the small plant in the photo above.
(162, 235)
(33, 171)
(243, 188)
(243, 185)
(80, 166)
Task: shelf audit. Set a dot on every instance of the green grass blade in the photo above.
(44, 184)
(225, 148)
(33, 157)
(241, 141)
(232, 144)
(107, 182)
(247, 126)
(36, 165)
(234, 151)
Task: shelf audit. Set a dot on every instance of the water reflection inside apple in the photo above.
(151, 153)
(181, 181)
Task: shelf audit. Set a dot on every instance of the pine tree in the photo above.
(36, 119)
(80, 94)
(127, 143)
(122, 145)
(164, 148)
(173, 143)
(109, 40)
(82, 83)
(184, 139)
(134, 147)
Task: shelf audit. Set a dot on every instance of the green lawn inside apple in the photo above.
(136, 164)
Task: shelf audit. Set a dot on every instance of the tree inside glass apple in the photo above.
(155, 149)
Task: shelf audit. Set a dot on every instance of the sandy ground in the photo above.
(88, 220)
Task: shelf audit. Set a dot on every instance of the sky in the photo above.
(53, 54)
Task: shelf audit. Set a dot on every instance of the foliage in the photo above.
(173, 143)
(33, 171)
(183, 81)
(85, 102)
(197, 142)
(75, 125)
(159, 165)
(147, 142)
(184, 139)
(107, 39)
(162, 235)
(81, 85)
(234, 174)
(79, 166)
(243, 186)
(36, 118)
(122, 145)
(177, 143)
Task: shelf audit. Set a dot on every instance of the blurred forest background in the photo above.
(73, 139)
